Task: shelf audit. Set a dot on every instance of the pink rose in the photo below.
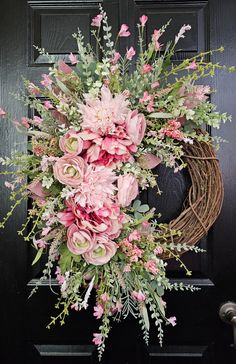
(127, 189)
(69, 170)
(37, 190)
(149, 161)
(103, 250)
(135, 126)
(71, 143)
(79, 241)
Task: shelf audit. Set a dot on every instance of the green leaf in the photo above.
(38, 256)
(137, 215)
(145, 317)
(160, 304)
(63, 87)
(136, 204)
(143, 208)
(160, 290)
(161, 115)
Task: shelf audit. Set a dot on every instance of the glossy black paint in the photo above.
(199, 337)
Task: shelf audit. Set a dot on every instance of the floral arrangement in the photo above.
(95, 137)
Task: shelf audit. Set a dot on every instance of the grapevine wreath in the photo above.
(96, 133)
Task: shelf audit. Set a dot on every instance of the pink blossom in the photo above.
(150, 106)
(69, 170)
(127, 189)
(135, 235)
(135, 126)
(46, 230)
(75, 306)
(135, 254)
(138, 296)
(103, 250)
(192, 66)
(37, 120)
(163, 302)
(115, 58)
(73, 59)
(105, 297)
(172, 320)
(63, 67)
(47, 81)
(79, 241)
(130, 53)
(127, 268)
(9, 185)
(146, 97)
(59, 277)
(16, 122)
(25, 122)
(96, 22)
(147, 68)
(34, 90)
(40, 243)
(71, 143)
(36, 189)
(97, 340)
(158, 250)
(48, 105)
(143, 19)
(124, 32)
(66, 217)
(98, 311)
(155, 84)
(151, 266)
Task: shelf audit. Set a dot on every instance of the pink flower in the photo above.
(96, 22)
(127, 189)
(147, 68)
(172, 320)
(36, 189)
(143, 20)
(158, 250)
(48, 105)
(135, 126)
(40, 243)
(148, 161)
(66, 217)
(127, 268)
(155, 37)
(103, 250)
(59, 277)
(25, 122)
(105, 297)
(124, 32)
(130, 53)
(155, 84)
(97, 340)
(63, 67)
(101, 115)
(73, 59)
(75, 306)
(115, 58)
(9, 185)
(135, 235)
(37, 120)
(71, 143)
(151, 266)
(79, 241)
(47, 81)
(138, 296)
(69, 170)
(46, 230)
(34, 90)
(2, 113)
(146, 97)
(192, 66)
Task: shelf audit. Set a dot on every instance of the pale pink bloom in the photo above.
(102, 115)
(155, 37)
(34, 90)
(126, 93)
(124, 32)
(47, 81)
(48, 105)
(138, 296)
(69, 170)
(36, 189)
(97, 340)
(147, 68)
(135, 235)
(47, 161)
(46, 230)
(146, 97)
(73, 59)
(40, 243)
(79, 241)
(66, 217)
(181, 32)
(127, 189)
(127, 268)
(151, 266)
(130, 53)
(192, 66)
(2, 112)
(135, 126)
(172, 320)
(163, 302)
(150, 106)
(143, 20)
(63, 67)
(9, 185)
(37, 120)
(25, 122)
(194, 95)
(75, 306)
(155, 84)
(71, 143)
(105, 297)
(158, 250)
(103, 250)
(96, 22)
(118, 307)
(59, 277)
(135, 254)
(115, 58)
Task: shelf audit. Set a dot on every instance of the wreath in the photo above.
(95, 135)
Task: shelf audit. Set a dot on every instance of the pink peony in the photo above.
(135, 126)
(101, 115)
(127, 189)
(103, 250)
(79, 241)
(143, 20)
(69, 170)
(148, 161)
(71, 143)
(124, 32)
(96, 22)
(130, 53)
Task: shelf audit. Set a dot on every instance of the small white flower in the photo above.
(47, 182)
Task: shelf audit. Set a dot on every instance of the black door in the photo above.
(200, 336)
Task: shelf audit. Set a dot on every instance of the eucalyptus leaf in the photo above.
(137, 215)
(38, 256)
(63, 87)
(143, 208)
(136, 204)
(145, 317)
(161, 115)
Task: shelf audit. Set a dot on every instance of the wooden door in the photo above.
(200, 336)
